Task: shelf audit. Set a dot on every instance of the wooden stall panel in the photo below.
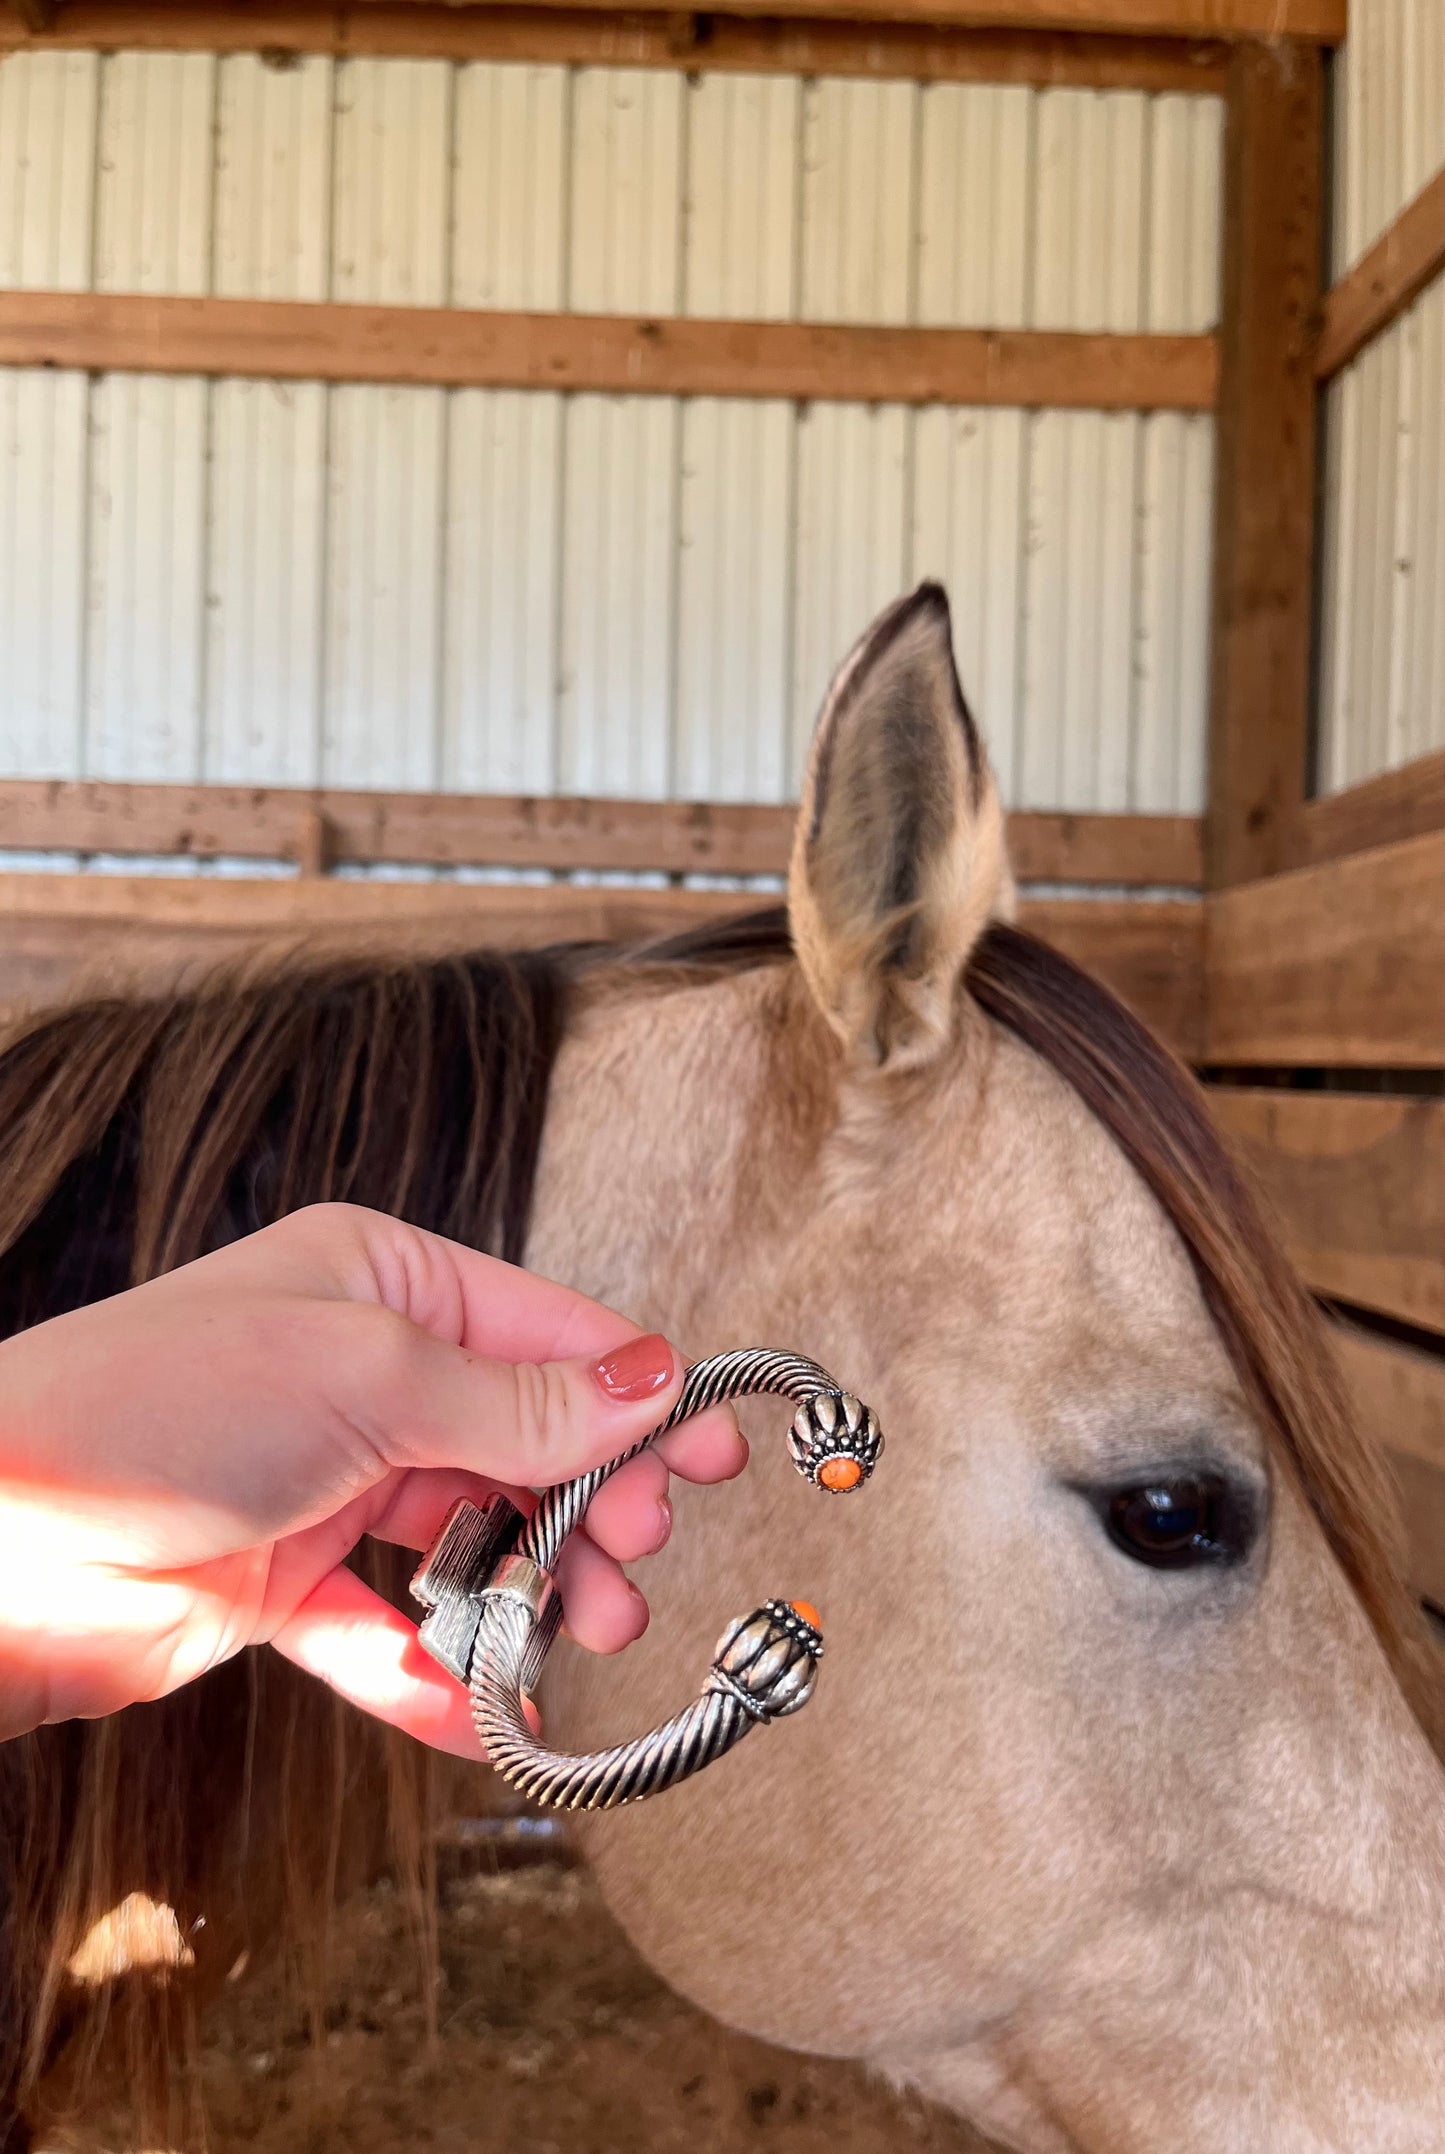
(1399, 1398)
(535, 831)
(1340, 965)
(1359, 1185)
(67, 932)
(1403, 803)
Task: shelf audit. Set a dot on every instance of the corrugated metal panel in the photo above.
(504, 471)
(47, 165)
(1079, 606)
(1389, 118)
(975, 205)
(626, 206)
(735, 528)
(740, 202)
(509, 218)
(1382, 669)
(387, 448)
(1170, 674)
(619, 558)
(266, 541)
(42, 570)
(618, 594)
(1382, 698)
(619, 542)
(503, 489)
(854, 463)
(47, 160)
(974, 218)
(146, 597)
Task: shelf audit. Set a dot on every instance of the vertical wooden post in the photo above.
(315, 842)
(1265, 458)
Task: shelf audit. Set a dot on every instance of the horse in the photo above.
(1116, 1821)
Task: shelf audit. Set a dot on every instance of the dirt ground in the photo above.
(573, 2048)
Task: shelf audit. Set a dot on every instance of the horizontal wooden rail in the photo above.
(1323, 21)
(62, 932)
(1401, 803)
(1399, 1400)
(579, 37)
(1384, 281)
(462, 347)
(1341, 964)
(503, 830)
(1358, 1184)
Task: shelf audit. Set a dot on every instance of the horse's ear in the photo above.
(898, 857)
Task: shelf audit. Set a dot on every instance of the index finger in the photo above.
(484, 1303)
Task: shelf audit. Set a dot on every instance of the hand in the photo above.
(185, 1467)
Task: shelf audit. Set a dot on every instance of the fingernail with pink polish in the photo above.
(636, 1371)
(664, 1524)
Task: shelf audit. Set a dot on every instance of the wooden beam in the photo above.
(461, 347)
(1399, 1400)
(1358, 1184)
(1383, 282)
(625, 37)
(1150, 952)
(1340, 965)
(579, 37)
(1321, 20)
(502, 830)
(1401, 803)
(64, 933)
(1265, 473)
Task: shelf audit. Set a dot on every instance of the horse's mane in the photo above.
(135, 1134)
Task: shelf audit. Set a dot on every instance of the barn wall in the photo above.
(1382, 654)
(275, 583)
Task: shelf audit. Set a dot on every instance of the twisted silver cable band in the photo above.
(766, 1662)
(744, 1373)
(598, 1779)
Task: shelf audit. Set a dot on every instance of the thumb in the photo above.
(530, 1422)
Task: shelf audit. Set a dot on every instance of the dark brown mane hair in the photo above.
(136, 1134)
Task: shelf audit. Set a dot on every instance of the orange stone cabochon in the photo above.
(840, 1473)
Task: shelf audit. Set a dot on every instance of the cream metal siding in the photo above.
(282, 583)
(1382, 675)
(1388, 109)
(1382, 629)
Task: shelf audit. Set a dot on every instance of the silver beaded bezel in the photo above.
(835, 1424)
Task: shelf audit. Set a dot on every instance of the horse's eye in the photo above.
(1175, 1524)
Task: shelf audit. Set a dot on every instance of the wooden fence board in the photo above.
(1321, 20)
(1399, 803)
(502, 830)
(1341, 964)
(61, 933)
(1399, 1396)
(578, 37)
(1359, 1185)
(1384, 281)
(468, 347)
